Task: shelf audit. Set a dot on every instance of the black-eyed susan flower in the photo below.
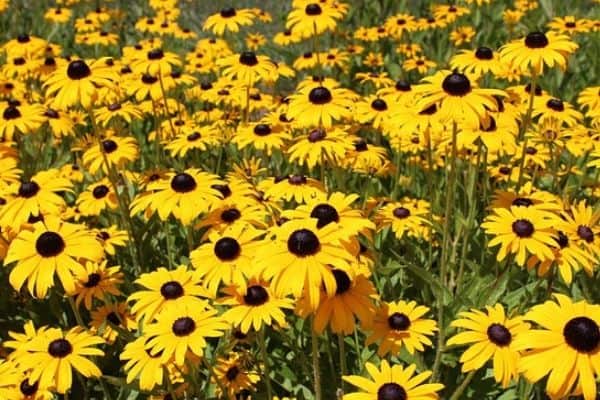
(139, 363)
(226, 258)
(521, 231)
(111, 237)
(296, 187)
(580, 223)
(166, 289)
(400, 324)
(352, 301)
(52, 247)
(374, 110)
(299, 257)
(185, 195)
(570, 25)
(393, 382)
(261, 136)
(229, 19)
(78, 83)
(419, 63)
(198, 139)
(53, 354)
(564, 347)
(309, 19)
(109, 315)
(20, 117)
(247, 67)
(320, 147)
(457, 97)
(253, 305)
(236, 375)
(178, 330)
(491, 335)
(98, 282)
(113, 150)
(538, 49)
(408, 216)
(319, 106)
(477, 62)
(96, 198)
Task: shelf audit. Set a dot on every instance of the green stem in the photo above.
(463, 386)
(444, 256)
(525, 126)
(315, 362)
(342, 350)
(265, 359)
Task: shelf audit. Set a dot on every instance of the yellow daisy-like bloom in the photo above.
(20, 117)
(53, 246)
(492, 336)
(334, 208)
(229, 19)
(117, 150)
(319, 106)
(78, 83)
(309, 19)
(590, 98)
(299, 257)
(565, 348)
(140, 364)
(398, 324)
(393, 382)
(178, 330)
(353, 300)
(320, 147)
(293, 187)
(155, 62)
(477, 62)
(248, 68)
(112, 237)
(96, 198)
(185, 195)
(234, 373)
(38, 196)
(462, 35)
(98, 282)
(407, 216)
(227, 257)
(457, 98)
(420, 63)
(115, 314)
(199, 139)
(580, 223)
(254, 305)
(570, 25)
(52, 355)
(261, 136)
(9, 375)
(521, 230)
(166, 289)
(538, 49)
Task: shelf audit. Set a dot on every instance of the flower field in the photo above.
(299, 199)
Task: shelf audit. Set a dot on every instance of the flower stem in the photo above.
(315, 362)
(464, 384)
(265, 359)
(342, 350)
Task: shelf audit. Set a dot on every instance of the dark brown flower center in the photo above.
(28, 389)
(60, 348)
(484, 53)
(183, 326)
(113, 318)
(93, 280)
(183, 183)
(313, 9)
(28, 189)
(228, 12)
(456, 84)
(320, 95)
(582, 334)
(262, 129)
(100, 191)
(398, 321)
(303, 242)
(49, 244)
(230, 215)
(171, 290)
(155, 54)
(499, 335)
(342, 281)
(522, 202)
(11, 112)
(379, 105)
(232, 373)
(556, 105)
(523, 228)
(109, 145)
(256, 295)
(391, 391)
(317, 135)
(325, 214)
(78, 69)
(248, 58)
(536, 40)
(585, 233)
(401, 212)
(227, 249)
